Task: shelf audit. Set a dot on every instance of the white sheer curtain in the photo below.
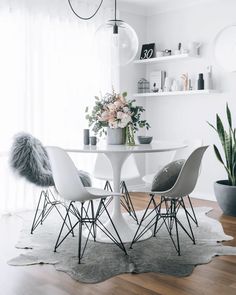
(49, 72)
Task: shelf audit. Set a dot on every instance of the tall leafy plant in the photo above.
(228, 142)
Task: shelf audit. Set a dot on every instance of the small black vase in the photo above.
(200, 85)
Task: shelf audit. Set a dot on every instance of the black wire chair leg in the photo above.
(54, 203)
(176, 228)
(189, 224)
(158, 214)
(45, 203)
(93, 222)
(118, 242)
(129, 202)
(137, 235)
(80, 232)
(194, 218)
(63, 224)
(33, 227)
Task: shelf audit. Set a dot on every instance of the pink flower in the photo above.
(111, 107)
(118, 103)
(120, 115)
(105, 116)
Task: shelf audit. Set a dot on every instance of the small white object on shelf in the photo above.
(175, 93)
(165, 58)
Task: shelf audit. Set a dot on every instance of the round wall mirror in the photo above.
(225, 48)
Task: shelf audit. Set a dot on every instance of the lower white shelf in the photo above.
(175, 93)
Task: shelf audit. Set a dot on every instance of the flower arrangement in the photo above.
(115, 111)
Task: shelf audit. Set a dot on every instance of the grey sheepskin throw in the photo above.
(29, 159)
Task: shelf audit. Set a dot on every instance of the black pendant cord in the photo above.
(89, 17)
(115, 9)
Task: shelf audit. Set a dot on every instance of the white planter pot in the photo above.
(226, 197)
(115, 136)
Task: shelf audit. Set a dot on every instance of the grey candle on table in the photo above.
(93, 140)
(86, 136)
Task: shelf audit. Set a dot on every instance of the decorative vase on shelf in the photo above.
(130, 135)
(115, 136)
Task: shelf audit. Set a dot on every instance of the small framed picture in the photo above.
(148, 51)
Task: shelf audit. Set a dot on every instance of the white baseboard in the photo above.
(136, 187)
(203, 196)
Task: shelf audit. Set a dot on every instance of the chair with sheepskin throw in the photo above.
(29, 159)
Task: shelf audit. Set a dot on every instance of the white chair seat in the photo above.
(97, 193)
(148, 178)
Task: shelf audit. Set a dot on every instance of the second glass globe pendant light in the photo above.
(115, 39)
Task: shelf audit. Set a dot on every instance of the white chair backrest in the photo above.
(186, 152)
(65, 175)
(103, 168)
(188, 176)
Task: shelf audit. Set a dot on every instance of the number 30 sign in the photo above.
(148, 51)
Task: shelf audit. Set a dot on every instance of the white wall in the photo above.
(177, 118)
(130, 74)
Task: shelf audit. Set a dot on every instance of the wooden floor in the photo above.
(217, 277)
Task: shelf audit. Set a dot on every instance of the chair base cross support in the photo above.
(125, 201)
(46, 203)
(165, 212)
(86, 215)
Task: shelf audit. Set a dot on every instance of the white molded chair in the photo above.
(171, 200)
(103, 171)
(179, 155)
(70, 188)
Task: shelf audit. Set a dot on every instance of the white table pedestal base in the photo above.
(126, 231)
(125, 228)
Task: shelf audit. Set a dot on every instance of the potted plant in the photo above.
(117, 117)
(225, 190)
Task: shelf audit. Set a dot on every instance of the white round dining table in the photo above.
(117, 154)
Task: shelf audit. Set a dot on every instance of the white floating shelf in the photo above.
(165, 58)
(176, 93)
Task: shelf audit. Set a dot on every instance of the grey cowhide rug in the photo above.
(102, 261)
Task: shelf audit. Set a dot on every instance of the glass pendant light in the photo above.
(115, 39)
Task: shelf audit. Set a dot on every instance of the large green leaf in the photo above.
(218, 156)
(228, 150)
(220, 129)
(212, 126)
(229, 116)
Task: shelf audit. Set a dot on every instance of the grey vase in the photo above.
(115, 136)
(226, 197)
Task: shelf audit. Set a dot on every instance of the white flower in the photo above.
(125, 120)
(120, 115)
(125, 109)
(122, 124)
